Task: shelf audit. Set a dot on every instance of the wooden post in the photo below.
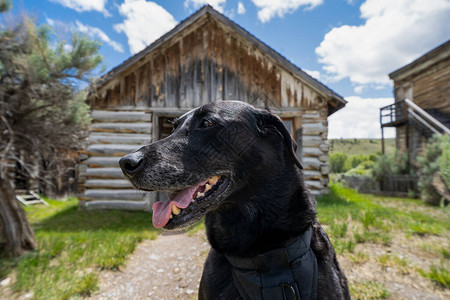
(382, 140)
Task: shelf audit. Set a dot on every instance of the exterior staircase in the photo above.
(427, 122)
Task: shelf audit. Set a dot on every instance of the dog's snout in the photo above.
(131, 163)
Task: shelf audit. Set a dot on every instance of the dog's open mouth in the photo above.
(187, 205)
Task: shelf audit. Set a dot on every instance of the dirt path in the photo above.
(167, 268)
(170, 268)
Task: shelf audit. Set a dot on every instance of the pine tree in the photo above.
(42, 111)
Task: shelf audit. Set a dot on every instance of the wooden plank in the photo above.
(313, 184)
(117, 204)
(119, 138)
(311, 151)
(311, 141)
(21, 200)
(102, 161)
(118, 116)
(308, 175)
(39, 197)
(106, 194)
(104, 173)
(112, 149)
(316, 193)
(311, 163)
(122, 127)
(107, 183)
(314, 128)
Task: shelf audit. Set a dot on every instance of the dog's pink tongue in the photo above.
(162, 210)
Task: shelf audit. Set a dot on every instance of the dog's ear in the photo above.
(267, 120)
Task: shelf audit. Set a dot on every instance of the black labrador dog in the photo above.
(236, 165)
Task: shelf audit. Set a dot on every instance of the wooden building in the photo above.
(422, 100)
(205, 58)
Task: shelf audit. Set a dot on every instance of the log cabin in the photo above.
(205, 58)
(422, 101)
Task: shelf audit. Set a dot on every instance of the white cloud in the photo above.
(359, 119)
(95, 32)
(241, 8)
(314, 74)
(394, 34)
(217, 4)
(145, 22)
(267, 9)
(85, 5)
(359, 89)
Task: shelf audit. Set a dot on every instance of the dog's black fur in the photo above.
(262, 203)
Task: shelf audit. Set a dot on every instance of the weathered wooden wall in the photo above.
(432, 87)
(203, 63)
(429, 89)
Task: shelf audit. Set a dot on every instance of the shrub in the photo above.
(382, 167)
(354, 160)
(430, 165)
(337, 162)
(397, 164)
(401, 164)
(364, 169)
(445, 160)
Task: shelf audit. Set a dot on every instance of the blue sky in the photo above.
(348, 45)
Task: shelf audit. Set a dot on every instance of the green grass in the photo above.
(352, 218)
(73, 246)
(438, 274)
(368, 290)
(368, 212)
(361, 146)
(401, 264)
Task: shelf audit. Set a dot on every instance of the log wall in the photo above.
(112, 135)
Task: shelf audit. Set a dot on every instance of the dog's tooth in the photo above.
(207, 187)
(213, 180)
(171, 216)
(176, 210)
(199, 195)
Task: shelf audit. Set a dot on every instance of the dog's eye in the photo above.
(206, 123)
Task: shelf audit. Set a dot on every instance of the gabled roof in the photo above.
(437, 54)
(338, 100)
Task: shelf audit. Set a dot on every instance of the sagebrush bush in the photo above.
(430, 165)
(445, 160)
(337, 162)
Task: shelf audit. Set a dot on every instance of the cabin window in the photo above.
(289, 123)
(296, 134)
(164, 127)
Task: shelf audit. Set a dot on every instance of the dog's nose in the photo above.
(131, 163)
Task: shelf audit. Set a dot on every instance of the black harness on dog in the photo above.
(288, 273)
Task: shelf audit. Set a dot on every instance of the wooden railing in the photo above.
(400, 112)
(393, 114)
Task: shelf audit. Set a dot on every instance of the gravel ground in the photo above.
(167, 268)
(170, 267)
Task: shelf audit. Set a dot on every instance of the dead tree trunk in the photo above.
(17, 235)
